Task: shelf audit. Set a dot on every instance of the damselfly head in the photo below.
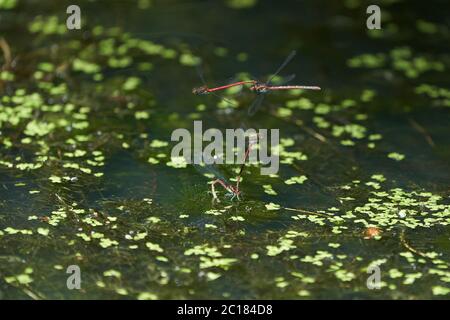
(259, 88)
(200, 90)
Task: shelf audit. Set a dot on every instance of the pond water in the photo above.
(86, 177)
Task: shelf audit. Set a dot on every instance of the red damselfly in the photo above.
(213, 172)
(204, 89)
(262, 88)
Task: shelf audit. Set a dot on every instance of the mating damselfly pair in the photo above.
(210, 170)
(259, 87)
